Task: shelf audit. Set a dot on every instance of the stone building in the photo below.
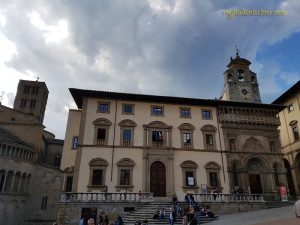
(30, 182)
(289, 135)
(174, 145)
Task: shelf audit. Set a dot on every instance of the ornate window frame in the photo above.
(127, 125)
(212, 167)
(154, 126)
(294, 125)
(101, 123)
(189, 166)
(125, 164)
(209, 130)
(187, 128)
(97, 164)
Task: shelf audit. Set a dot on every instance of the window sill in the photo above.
(94, 187)
(189, 188)
(123, 187)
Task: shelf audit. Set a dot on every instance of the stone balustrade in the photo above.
(228, 197)
(106, 197)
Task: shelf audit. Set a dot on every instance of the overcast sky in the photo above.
(175, 48)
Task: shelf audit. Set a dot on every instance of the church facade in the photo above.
(173, 145)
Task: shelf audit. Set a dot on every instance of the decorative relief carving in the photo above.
(252, 145)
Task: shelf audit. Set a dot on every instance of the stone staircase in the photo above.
(278, 204)
(147, 210)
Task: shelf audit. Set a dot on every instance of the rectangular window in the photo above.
(206, 114)
(23, 103)
(35, 90)
(186, 138)
(185, 113)
(209, 139)
(57, 161)
(32, 103)
(128, 108)
(157, 136)
(97, 177)
(103, 108)
(125, 177)
(26, 89)
(44, 202)
(189, 179)
(101, 134)
(157, 111)
(126, 135)
(75, 142)
(296, 133)
(69, 184)
(213, 179)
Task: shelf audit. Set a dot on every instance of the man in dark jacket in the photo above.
(172, 216)
(191, 218)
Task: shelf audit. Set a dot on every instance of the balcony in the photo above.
(126, 143)
(100, 142)
(158, 144)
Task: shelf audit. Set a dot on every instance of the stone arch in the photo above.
(98, 162)
(209, 127)
(212, 165)
(158, 124)
(9, 180)
(189, 164)
(186, 126)
(257, 160)
(126, 162)
(17, 181)
(102, 122)
(127, 123)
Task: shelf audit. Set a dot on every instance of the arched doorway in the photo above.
(255, 167)
(289, 178)
(158, 179)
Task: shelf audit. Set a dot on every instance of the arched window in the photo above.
(213, 175)
(125, 174)
(240, 75)
(157, 134)
(97, 173)
(101, 131)
(209, 138)
(189, 175)
(127, 132)
(186, 133)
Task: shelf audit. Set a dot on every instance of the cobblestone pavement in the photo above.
(277, 216)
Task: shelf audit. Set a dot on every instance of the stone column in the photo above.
(170, 181)
(13, 181)
(4, 182)
(25, 184)
(20, 183)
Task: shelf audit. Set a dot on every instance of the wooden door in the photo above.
(158, 179)
(255, 183)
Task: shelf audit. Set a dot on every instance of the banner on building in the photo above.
(203, 189)
(283, 194)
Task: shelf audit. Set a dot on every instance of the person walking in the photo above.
(297, 208)
(172, 216)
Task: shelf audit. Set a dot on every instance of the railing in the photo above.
(187, 145)
(106, 197)
(126, 143)
(100, 142)
(228, 197)
(158, 144)
(209, 147)
(16, 151)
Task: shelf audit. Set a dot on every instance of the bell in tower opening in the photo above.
(240, 82)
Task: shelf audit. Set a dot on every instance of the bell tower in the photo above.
(240, 82)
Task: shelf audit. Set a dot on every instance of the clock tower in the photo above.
(240, 82)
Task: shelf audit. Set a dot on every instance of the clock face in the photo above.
(244, 92)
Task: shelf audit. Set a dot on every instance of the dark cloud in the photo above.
(178, 48)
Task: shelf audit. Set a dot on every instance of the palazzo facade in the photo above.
(174, 145)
